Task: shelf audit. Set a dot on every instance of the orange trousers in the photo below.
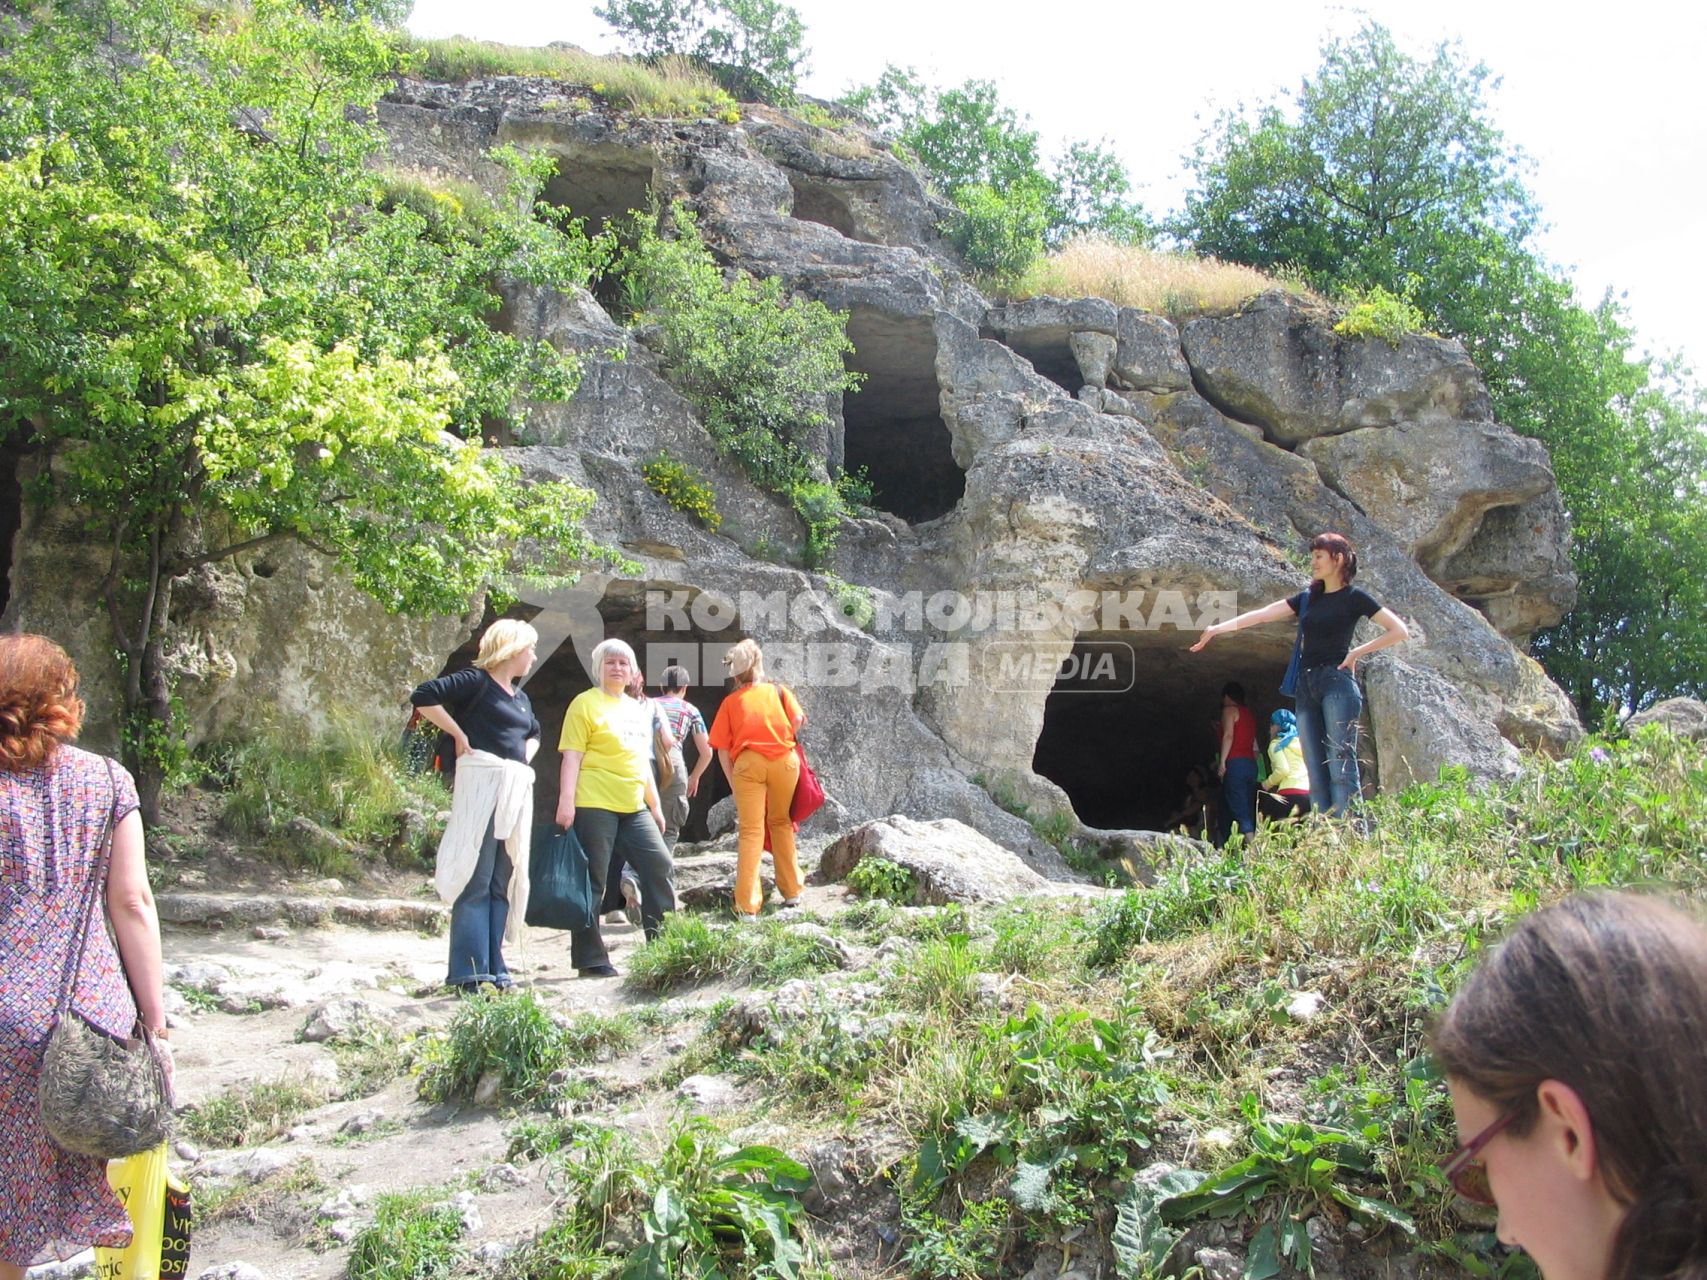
(764, 789)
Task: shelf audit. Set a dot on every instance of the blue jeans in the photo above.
(1329, 707)
(478, 917)
(1239, 793)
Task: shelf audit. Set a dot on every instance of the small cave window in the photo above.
(602, 183)
(1132, 711)
(892, 426)
(816, 200)
(1050, 352)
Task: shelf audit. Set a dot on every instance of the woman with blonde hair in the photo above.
(608, 794)
(483, 856)
(754, 736)
(1573, 1057)
(58, 807)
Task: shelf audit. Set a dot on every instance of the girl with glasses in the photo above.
(1574, 1058)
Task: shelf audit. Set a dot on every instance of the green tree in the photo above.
(755, 47)
(1383, 170)
(223, 330)
(988, 161)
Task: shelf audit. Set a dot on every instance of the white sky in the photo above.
(1605, 100)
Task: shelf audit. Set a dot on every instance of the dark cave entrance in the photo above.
(1133, 710)
(1050, 351)
(602, 183)
(559, 677)
(828, 203)
(11, 507)
(893, 426)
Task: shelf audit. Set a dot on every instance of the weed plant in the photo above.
(508, 1033)
(691, 951)
(881, 878)
(252, 1114)
(414, 1235)
(353, 784)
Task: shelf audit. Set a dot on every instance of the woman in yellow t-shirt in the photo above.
(607, 793)
(754, 738)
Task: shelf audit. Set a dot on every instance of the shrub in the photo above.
(881, 878)
(999, 234)
(759, 366)
(683, 488)
(753, 47)
(1375, 313)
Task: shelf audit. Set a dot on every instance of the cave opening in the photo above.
(602, 183)
(12, 447)
(825, 203)
(1132, 711)
(893, 427)
(1050, 351)
(628, 612)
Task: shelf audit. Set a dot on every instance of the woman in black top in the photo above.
(483, 709)
(1329, 701)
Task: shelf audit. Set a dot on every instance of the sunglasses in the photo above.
(1466, 1172)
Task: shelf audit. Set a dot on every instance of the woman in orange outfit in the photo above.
(754, 738)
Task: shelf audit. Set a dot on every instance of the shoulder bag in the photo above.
(1289, 681)
(99, 1096)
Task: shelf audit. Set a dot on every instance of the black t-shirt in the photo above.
(1329, 624)
(494, 721)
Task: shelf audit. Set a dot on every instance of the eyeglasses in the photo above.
(1466, 1172)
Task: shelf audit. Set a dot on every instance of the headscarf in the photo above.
(1285, 728)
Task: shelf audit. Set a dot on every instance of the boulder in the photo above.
(1516, 568)
(950, 861)
(1423, 724)
(1148, 355)
(338, 1020)
(1431, 483)
(1686, 717)
(1277, 362)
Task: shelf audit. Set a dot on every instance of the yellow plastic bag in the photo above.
(159, 1209)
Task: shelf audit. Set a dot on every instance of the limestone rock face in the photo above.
(1278, 363)
(1430, 483)
(1064, 493)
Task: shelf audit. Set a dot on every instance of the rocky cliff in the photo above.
(1065, 492)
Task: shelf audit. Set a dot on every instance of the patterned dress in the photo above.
(54, 1204)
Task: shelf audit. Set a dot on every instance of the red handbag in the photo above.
(808, 792)
(808, 796)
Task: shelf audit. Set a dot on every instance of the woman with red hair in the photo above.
(57, 806)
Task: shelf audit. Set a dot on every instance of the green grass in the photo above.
(672, 88)
(253, 1113)
(414, 1235)
(510, 1033)
(352, 784)
(691, 951)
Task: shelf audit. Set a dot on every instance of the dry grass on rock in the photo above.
(1179, 285)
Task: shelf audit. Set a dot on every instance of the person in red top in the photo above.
(1238, 759)
(754, 738)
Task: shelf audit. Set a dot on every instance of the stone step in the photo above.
(228, 910)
